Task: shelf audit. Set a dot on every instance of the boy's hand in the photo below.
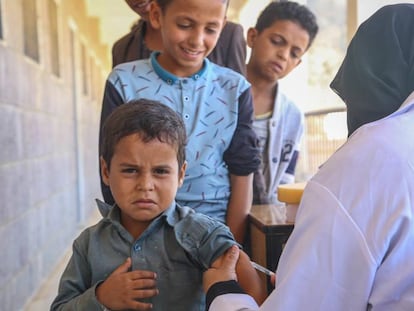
(222, 269)
(122, 289)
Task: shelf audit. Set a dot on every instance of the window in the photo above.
(31, 42)
(54, 38)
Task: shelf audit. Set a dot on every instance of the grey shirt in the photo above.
(178, 245)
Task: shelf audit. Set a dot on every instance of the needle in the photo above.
(262, 269)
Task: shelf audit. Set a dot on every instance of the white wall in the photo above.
(367, 8)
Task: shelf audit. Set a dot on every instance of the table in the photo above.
(269, 232)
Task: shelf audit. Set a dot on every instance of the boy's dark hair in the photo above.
(164, 3)
(288, 10)
(151, 120)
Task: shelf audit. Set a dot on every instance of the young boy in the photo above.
(230, 50)
(283, 33)
(214, 102)
(148, 252)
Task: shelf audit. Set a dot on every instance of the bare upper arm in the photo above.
(249, 279)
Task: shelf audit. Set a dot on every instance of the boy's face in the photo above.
(141, 7)
(144, 178)
(190, 30)
(277, 50)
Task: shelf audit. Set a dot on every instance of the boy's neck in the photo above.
(258, 83)
(264, 94)
(261, 86)
(134, 228)
(166, 73)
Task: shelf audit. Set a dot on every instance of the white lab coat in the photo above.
(353, 243)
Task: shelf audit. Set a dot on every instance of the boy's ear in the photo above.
(155, 14)
(251, 36)
(104, 171)
(181, 174)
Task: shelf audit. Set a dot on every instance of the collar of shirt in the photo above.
(169, 77)
(113, 212)
(172, 215)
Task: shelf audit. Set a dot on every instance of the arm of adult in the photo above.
(326, 262)
(220, 284)
(243, 271)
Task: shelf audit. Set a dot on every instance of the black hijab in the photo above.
(377, 74)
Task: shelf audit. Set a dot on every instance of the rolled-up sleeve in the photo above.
(204, 238)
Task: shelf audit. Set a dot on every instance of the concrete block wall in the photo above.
(48, 146)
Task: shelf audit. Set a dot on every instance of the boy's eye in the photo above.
(211, 31)
(183, 25)
(294, 55)
(161, 171)
(129, 170)
(276, 41)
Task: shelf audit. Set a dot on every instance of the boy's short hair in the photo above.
(288, 10)
(148, 118)
(164, 3)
